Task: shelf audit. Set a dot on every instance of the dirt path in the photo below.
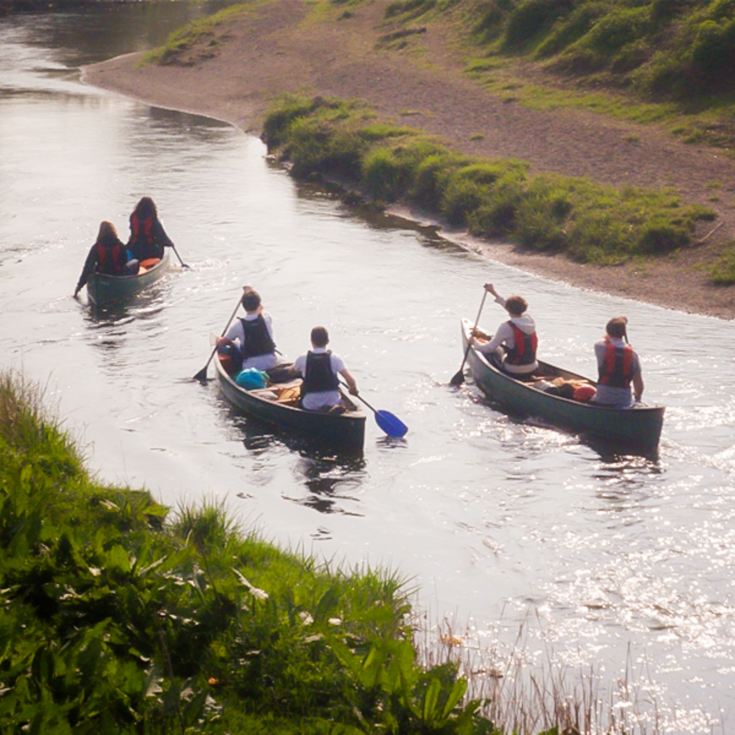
(280, 48)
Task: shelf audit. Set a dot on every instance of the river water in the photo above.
(566, 553)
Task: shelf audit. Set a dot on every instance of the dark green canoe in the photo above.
(105, 289)
(638, 427)
(344, 431)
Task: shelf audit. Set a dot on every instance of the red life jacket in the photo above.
(110, 258)
(616, 369)
(141, 230)
(524, 347)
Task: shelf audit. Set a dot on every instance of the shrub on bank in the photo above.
(115, 619)
(587, 221)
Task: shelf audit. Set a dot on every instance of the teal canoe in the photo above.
(638, 427)
(343, 431)
(105, 289)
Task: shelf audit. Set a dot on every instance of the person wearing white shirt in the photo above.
(320, 369)
(252, 336)
(514, 344)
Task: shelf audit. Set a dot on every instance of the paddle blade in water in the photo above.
(457, 378)
(390, 424)
(201, 376)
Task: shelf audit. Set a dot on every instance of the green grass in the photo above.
(588, 222)
(197, 32)
(650, 61)
(722, 271)
(115, 618)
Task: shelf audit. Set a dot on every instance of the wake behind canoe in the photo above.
(638, 427)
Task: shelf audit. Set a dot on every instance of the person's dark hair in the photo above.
(146, 207)
(251, 300)
(319, 337)
(617, 326)
(107, 234)
(516, 305)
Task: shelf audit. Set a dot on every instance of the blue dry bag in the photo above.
(251, 378)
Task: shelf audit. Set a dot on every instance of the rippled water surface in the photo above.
(606, 560)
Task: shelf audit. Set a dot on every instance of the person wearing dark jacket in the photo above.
(107, 255)
(147, 236)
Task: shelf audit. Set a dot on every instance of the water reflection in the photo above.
(333, 482)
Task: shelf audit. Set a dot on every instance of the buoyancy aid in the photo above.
(616, 369)
(257, 339)
(141, 230)
(110, 258)
(524, 347)
(318, 374)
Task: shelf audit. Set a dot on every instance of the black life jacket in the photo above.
(616, 369)
(318, 375)
(524, 347)
(110, 258)
(257, 340)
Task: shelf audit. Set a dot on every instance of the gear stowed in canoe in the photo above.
(638, 427)
(278, 405)
(104, 288)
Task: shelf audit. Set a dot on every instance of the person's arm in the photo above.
(351, 384)
(501, 335)
(638, 386)
(498, 298)
(233, 335)
(160, 235)
(89, 266)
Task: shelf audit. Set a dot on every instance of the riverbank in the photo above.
(119, 617)
(235, 70)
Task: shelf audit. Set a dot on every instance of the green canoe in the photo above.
(344, 431)
(638, 427)
(105, 289)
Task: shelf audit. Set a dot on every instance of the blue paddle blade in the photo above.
(390, 424)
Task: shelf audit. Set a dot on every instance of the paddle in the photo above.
(183, 265)
(202, 374)
(458, 377)
(389, 423)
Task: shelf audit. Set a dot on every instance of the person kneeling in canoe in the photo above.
(108, 255)
(249, 341)
(320, 369)
(147, 236)
(513, 346)
(618, 366)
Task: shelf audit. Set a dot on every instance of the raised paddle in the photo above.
(389, 423)
(202, 374)
(183, 265)
(458, 377)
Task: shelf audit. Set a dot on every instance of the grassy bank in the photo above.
(498, 198)
(662, 61)
(116, 617)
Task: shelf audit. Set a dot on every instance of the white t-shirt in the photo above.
(237, 335)
(323, 398)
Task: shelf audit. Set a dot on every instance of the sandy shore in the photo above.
(279, 48)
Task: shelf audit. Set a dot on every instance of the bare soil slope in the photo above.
(281, 46)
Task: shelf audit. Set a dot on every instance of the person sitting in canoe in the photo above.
(320, 369)
(249, 341)
(513, 346)
(108, 255)
(618, 366)
(147, 236)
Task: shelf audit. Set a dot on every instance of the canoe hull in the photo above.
(638, 427)
(105, 289)
(344, 431)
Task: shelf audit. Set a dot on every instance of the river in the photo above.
(518, 536)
